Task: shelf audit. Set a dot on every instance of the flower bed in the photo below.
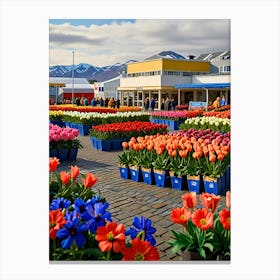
(81, 227)
(205, 231)
(93, 109)
(220, 114)
(213, 123)
(63, 142)
(119, 132)
(190, 153)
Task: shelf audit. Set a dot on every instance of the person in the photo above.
(78, 102)
(106, 101)
(113, 105)
(82, 101)
(162, 104)
(146, 104)
(118, 103)
(216, 103)
(167, 104)
(153, 104)
(223, 101)
(101, 102)
(93, 102)
(173, 104)
(86, 101)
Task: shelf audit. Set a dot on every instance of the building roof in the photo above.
(202, 85)
(79, 83)
(211, 56)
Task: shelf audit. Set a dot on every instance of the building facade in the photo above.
(156, 78)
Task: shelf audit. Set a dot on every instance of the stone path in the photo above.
(128, 198)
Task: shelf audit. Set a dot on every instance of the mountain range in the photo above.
(90, 72)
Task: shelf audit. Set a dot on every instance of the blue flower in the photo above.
(72, 231)
(81, 208)
(99, 216)
(144, 227)
(60, 203)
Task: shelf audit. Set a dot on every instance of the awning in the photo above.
(213, 85)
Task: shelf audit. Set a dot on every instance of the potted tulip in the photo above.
(205, 231)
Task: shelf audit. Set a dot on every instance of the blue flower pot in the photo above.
(213, 185)
(62, 155)
(116, 144)
(74, 125)
(135, 173)
(84, 129)
(72, 155)
(194, 184)
(124, 172)
(162, 179)
(93, 142)
(178, 183)
(148, 176)
(67, 124)
(104, 145)
(174, 125)
(53, 153)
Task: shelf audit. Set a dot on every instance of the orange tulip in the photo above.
(203, 219)
(125, 145)
(224, 216)
(56, 221)
(210, 201)
(228, 198)
(180, 215)
(53, 163)
(65, 177)
(212, 157)
(89, 180)
(189, 200)
(75, 171)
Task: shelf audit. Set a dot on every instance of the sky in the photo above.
(109, 41)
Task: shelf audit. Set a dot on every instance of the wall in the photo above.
(210, 79)
(142, 81)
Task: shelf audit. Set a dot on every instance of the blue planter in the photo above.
(178, 183)
(227, 179)
(74, 125)
(162, 179)
(67, 124)
(72, 154)
(124, 172)
(84, 129)
(53, 153)
(148, 176)
(135, 173)
(93, 142)
(116, 144)
(62, 155)
(213, 185)
(174, 125)
(194, 184)
(104, 145)
(58, 122)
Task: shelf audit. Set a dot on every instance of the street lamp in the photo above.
(73, 80)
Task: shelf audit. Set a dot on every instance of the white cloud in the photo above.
(109, 44)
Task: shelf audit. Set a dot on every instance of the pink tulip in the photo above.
(56, 137)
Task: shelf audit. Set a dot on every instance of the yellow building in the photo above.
(156, 77)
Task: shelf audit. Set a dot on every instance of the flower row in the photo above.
(175, 115)
(213, 123)
(126, 130)
(92, 109)
(182, 154)
(219, 114)
(98, 118)
(82, 228)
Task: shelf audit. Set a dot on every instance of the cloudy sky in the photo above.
(105, 42)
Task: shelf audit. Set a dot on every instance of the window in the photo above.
(227, 68)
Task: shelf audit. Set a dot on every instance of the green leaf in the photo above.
(209, 246)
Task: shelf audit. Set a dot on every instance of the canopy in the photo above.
(213, 85)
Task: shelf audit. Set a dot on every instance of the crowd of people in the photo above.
(167, 103)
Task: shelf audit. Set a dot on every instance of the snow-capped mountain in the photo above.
(90, 72)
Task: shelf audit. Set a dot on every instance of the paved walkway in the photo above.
(128, 198)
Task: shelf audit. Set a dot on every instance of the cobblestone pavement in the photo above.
(128, 198)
